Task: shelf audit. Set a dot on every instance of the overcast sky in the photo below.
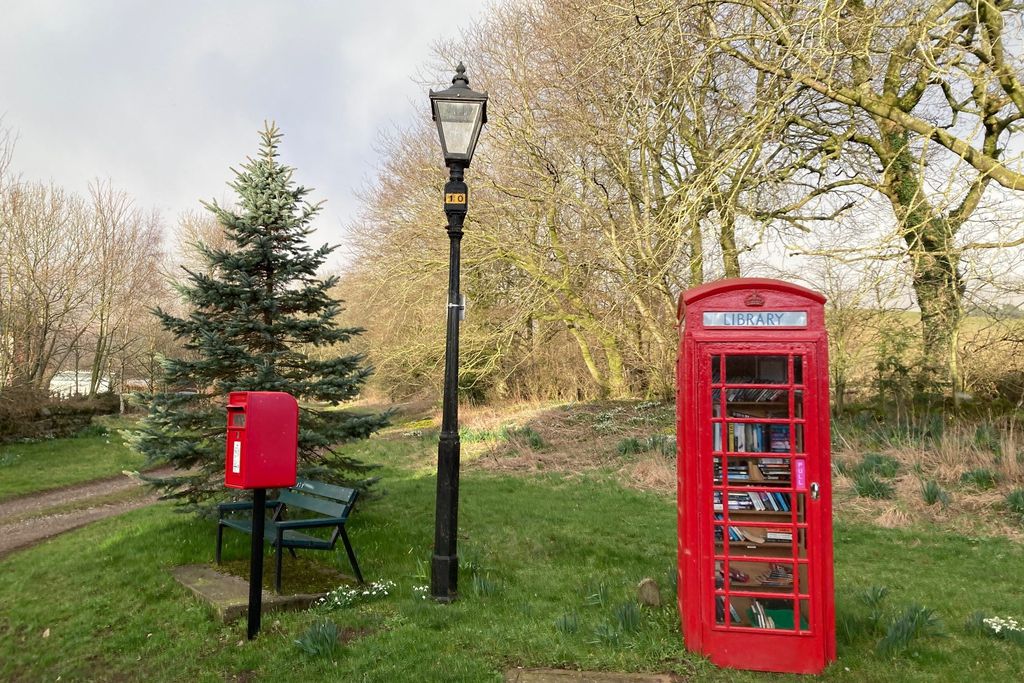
(163, 97)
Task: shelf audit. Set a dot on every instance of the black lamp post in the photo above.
(460, 113)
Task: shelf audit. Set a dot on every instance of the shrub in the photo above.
(869, 486)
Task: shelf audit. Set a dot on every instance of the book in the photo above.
(779, 438)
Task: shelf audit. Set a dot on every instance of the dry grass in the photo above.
(995, 447)
(585, 438)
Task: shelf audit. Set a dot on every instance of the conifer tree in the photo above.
(255, 311)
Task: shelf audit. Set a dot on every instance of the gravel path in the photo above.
(17, 531)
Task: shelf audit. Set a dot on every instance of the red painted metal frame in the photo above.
(796, 650)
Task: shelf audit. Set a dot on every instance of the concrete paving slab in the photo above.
(228, 596)
(567, 676)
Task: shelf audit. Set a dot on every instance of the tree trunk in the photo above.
(935, 262)
(730, 254)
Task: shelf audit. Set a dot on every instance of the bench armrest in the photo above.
(311, 523)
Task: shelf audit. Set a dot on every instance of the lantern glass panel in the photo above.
(458, 124)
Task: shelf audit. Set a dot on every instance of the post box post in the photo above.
(261, 453)
(259, 503)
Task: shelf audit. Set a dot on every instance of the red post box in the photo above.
(263, 430)
(755, 505)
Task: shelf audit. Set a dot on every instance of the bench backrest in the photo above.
(317, 496)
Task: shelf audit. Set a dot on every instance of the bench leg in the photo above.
(292, 551)
(277, 575)
(220, 538)
(351, 555)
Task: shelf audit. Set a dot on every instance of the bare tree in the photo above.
(126, 246)
(929, 91)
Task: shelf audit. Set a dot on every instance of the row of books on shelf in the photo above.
(769, 501)
(768, 469)
(764, 395)
(747, 437)
(754, 534)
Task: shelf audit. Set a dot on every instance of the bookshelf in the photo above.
(757, 415)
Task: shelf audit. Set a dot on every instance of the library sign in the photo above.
(758, 319)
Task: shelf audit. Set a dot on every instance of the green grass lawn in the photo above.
(42, 465)
(548, 563)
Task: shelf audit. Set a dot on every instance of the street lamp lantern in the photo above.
(459, 113)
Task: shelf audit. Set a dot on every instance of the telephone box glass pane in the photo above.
(750, 369)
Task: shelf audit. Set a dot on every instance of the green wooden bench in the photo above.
(324, 506)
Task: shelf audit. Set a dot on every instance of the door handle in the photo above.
(814, 490)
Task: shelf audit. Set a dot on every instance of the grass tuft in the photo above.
(879, 464)
(605, 633)
(627, 617)
(933, 493)
(980, 478)
(529, 435)
(1015, 503)
(914, 622)
(319, 640)
(630, 446)
(597, 595)
(869, 486)
(484, 586)
(568, 623)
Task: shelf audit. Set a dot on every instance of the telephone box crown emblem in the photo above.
(755, 299)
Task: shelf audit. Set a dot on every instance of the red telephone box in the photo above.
(755, 504)
(262, 443)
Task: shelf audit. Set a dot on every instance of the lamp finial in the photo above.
(460, 75)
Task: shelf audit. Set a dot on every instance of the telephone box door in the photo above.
(761, 518)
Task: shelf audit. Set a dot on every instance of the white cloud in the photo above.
(163, 97)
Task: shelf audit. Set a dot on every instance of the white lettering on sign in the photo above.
(755, 319)
(236, 458)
